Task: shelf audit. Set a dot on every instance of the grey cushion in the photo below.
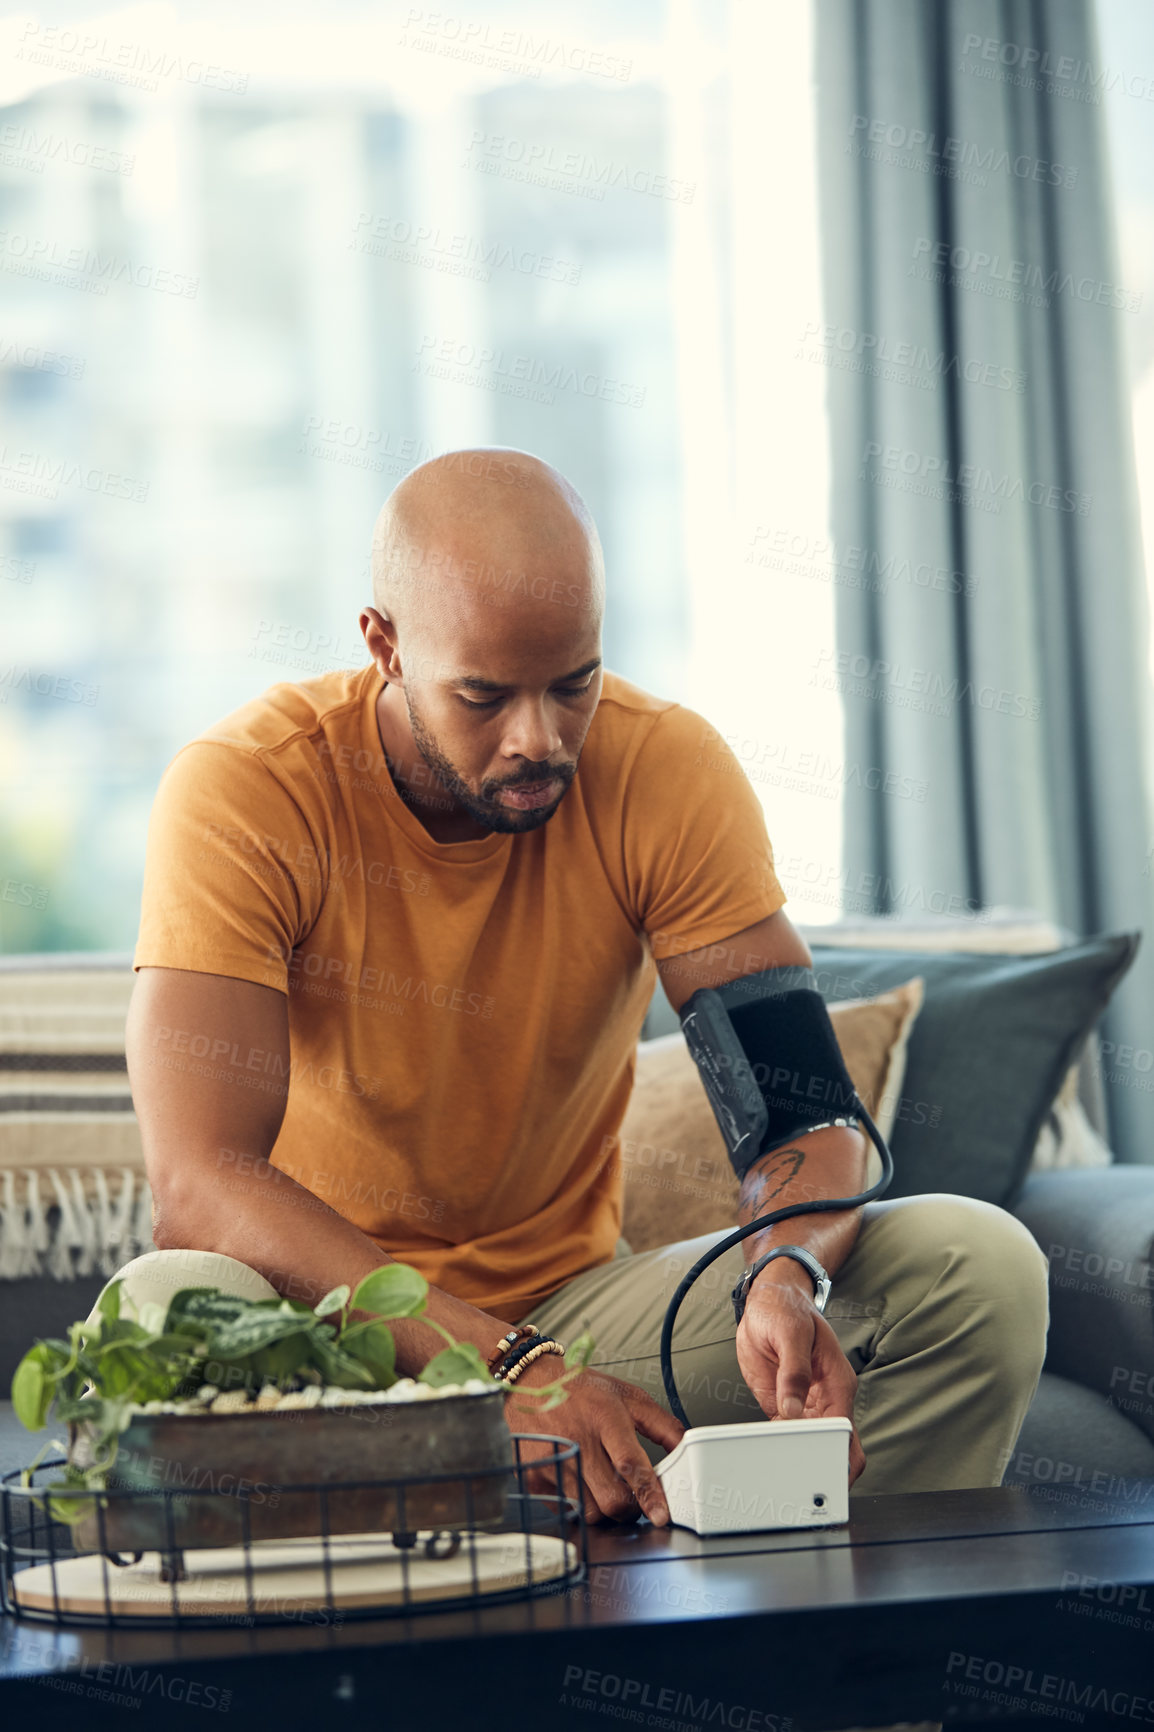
(988, 1052)
(1073, 1441)
(1097, 1229)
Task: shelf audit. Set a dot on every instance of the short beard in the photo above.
(484, 810)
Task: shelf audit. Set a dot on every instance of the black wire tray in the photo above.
(320, 1572)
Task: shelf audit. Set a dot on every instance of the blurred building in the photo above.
(231, 320)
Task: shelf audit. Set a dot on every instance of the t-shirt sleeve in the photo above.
(697, 852)
(232, 874)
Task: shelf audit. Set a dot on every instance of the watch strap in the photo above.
(821, 1280)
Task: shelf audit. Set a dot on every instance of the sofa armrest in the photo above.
(1097, 1230)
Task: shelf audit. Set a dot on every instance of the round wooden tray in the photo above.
(288, 1577)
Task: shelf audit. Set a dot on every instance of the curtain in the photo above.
(991, 616)
(751, 422)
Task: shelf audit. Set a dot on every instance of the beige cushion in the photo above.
(678, 1180)
(1068, 1139)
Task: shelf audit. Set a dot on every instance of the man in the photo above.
(431, 895)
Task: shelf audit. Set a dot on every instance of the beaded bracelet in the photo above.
(536, 1352)
(516, 1354)
(507, 1341)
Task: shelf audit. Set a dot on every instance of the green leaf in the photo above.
(85, 1370)
(194, 1307)
(27, 1472)
(125, 1370)
(393, 1290)
(341, 1368)
(62, 1349)
(454, 1365)
(121, 1329)
(108, 1303)
(69, 1510)
(334, 1301)
(33, 1388)
(373, 1345)
(579, 1352)
(249, 1334)
(169, 1348)
(82, 1407)
(283, 1360)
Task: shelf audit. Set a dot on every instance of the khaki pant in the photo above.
(941, 1309)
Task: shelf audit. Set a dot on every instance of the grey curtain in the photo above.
(992, 623)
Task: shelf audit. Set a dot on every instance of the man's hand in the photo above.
(603, 1414)
(791, 1359)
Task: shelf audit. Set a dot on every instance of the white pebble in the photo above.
(210, 1399)
(232, 1401)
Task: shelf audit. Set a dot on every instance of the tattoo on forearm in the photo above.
(783, 1166)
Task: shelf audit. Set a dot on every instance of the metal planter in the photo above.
(225, 1479)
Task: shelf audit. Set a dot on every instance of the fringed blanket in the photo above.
(74, 1199)
(72, 1221)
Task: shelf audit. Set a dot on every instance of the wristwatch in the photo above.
(821, 1281)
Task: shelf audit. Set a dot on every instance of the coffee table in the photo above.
(992, 1605)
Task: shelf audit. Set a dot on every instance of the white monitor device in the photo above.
(756, 1476)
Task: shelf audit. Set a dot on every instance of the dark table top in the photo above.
(990, 1604)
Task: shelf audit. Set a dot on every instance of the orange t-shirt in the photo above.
(463, 1016)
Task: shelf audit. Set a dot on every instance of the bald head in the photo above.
(490, 591)
(484, 528)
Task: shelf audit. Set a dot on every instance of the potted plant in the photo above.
(249, 1400)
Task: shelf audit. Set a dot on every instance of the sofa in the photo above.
(74, 1203)
(1089, 1433)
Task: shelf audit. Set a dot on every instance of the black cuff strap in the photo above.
(769, 1059)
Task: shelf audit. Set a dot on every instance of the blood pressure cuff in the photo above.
(769, 1059)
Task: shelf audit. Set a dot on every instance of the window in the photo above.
(1124, 87)
(254, 269)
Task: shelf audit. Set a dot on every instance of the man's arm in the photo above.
(787, 1351)
(207, 1140)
